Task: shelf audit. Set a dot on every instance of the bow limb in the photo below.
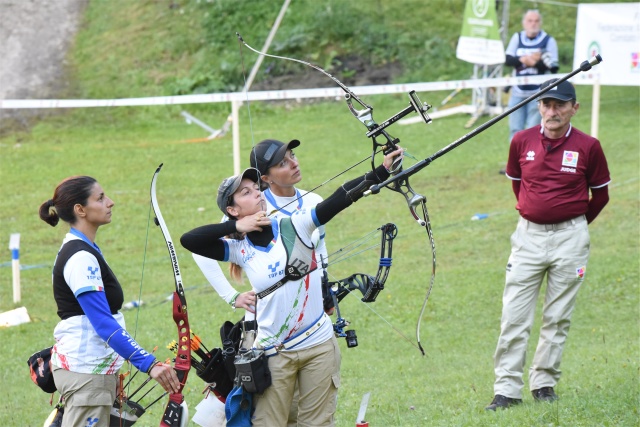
(427, 226)
(363, 115)
(175, 414)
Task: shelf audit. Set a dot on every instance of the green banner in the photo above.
(480, 41)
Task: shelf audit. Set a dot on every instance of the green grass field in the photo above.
(450, 385)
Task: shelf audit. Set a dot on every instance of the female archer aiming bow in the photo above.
(279, 173)
(278, 257)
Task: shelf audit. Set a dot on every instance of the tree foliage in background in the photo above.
(191, 47)
(320, 32)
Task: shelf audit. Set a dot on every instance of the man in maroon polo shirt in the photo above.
(552, 168)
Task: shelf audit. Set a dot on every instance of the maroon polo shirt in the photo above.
(555, 174)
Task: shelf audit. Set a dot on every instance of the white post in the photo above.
(235, 107)
(267, 43)
(595, 109)
(14, 246)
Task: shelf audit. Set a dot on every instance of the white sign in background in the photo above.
(613, 31)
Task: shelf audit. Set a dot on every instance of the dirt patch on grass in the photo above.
(36, 36)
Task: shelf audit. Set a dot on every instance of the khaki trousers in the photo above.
(87, 397)
(317, 370)
(561, 252)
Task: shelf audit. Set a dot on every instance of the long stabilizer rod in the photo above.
(375, 189)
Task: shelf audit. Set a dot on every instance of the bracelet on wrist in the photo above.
(153, 365)
(232, 303)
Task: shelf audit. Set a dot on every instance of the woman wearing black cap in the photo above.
(278, 257)
(279, 173)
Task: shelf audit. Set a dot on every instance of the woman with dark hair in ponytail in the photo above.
(91, 341)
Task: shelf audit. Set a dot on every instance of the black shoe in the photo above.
(500, 401)
(544, 394)
(502, 171)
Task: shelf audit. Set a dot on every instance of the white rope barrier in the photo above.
(332, 92)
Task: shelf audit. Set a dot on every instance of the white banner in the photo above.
(613, 31)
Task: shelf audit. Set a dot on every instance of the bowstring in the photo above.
(348, 255)
(253, 143)
(345, 252)
(144, 261)
(121, 377)
(246, 92)
(324, 183)
(370, 157)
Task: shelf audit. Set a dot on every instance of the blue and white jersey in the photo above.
(521, 45)
(78, 346)
(294, 307)
(290, 205)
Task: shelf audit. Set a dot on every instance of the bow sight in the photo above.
(400, 185)
(366, 115)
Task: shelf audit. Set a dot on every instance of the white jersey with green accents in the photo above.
(286, 206)
(298, 305)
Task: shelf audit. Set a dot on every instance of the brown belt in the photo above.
(553, 227)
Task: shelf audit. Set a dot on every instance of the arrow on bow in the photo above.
(176, 412)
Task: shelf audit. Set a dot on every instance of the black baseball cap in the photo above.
(231, 184)
(564, 91)
(270, 152)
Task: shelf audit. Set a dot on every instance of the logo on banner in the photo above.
(480, 7)
(480, 41)
(635, 62)
(570, 159)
